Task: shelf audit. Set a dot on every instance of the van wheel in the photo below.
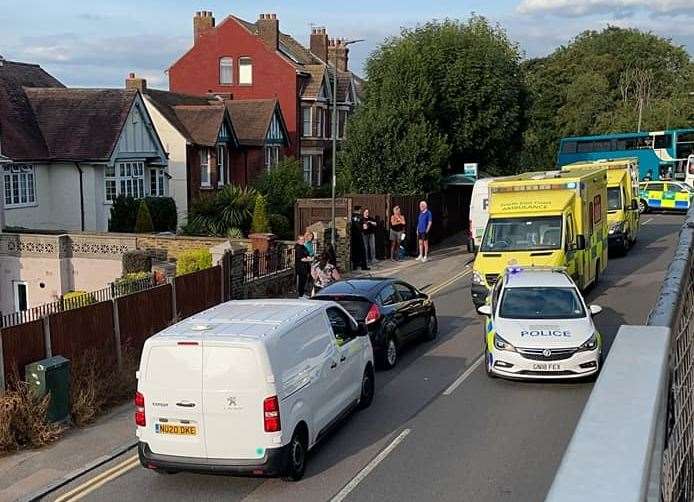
(367, 388)
(296, 457)
(391, 353)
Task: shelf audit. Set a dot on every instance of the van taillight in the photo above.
(140, 418)
(271, 414)
(373, 315)
(691, 168)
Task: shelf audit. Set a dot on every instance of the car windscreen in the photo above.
(522, 234)
(541, 303)
(358, 307)
(614, 198)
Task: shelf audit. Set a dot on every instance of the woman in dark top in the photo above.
(332, 256)
(302, 266)
(397, 230)
(368, 233)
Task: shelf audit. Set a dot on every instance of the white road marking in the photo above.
(647, 221)
(451, 388)
(370, 467)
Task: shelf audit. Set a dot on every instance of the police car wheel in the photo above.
(487, 369)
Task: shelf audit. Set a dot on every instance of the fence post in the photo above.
(174, 307)
(221, 278)
(116, 333)
(47, 335)
(2, 368)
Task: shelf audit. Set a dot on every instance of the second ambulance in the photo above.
(549, 219)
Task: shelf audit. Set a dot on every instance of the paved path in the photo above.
(439, 429)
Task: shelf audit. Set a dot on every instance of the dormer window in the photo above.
(226, 70)
(245, 71)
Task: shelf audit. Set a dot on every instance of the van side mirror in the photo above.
(361, 329)
(422, 295)
(580, 242)
(485, 310)
(595, 309)
(634, 205)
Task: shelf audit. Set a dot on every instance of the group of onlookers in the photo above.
(313, 272)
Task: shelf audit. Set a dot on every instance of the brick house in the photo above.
(241, 60)
(71, 151)
(213, 142)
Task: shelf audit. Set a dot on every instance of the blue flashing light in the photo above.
(514, 270)
(571, 185)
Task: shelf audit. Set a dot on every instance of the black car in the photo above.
(394, 312)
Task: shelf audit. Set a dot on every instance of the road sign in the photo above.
(470, 169)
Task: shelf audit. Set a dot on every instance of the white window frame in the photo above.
(245, 70)
(304, 124)
(320, 114)
(308, 158)
(221, 165)
(272, 156)
(20, 183)
(157, 182)
(226, 62)
(15, 290)
(129, 178)
(205, 167)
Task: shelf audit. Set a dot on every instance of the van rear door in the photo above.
(234, 388)
(172, 389)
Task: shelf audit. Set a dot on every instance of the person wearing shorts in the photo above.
(424, 222)
(397, 230)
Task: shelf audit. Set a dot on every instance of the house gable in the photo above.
(276, 133)
(138, 137)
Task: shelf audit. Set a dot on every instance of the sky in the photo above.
(96, 43)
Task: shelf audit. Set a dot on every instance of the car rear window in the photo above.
(357, 307)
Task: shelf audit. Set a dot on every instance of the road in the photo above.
(439, 428)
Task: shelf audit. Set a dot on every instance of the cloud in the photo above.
(621, 8)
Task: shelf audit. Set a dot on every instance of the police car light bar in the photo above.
(514, 269)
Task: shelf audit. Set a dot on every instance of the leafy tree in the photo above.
(436, 96)
(260, 222)
(143, 224)
(597, 83)
(282, 185)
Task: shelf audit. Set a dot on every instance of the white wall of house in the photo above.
(43, 277)
(175, 145)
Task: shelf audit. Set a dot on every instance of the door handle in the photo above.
(343, 359)
(333, 365)
(185, 404)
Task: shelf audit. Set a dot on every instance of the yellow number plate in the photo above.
(176, 430)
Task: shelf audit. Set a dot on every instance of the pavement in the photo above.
(438, 428)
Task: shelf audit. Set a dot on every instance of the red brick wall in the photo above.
(247, 165)
(197, 72)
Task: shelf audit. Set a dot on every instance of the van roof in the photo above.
(244, 319)
(545, 176)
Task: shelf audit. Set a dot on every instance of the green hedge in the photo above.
(193, 260)
(125, 209)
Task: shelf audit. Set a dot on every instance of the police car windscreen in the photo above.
(614, 198)
(541, 303)
(522, 234)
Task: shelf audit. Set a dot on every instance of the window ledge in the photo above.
(21, 206)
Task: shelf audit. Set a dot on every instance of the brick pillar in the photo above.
(262, 243)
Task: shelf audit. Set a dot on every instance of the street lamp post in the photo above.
(334, 138)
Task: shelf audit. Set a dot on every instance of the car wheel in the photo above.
(368, 387)
(391, 353)
(432, 327)
(487, 368)
(643, 206)
(295, 461)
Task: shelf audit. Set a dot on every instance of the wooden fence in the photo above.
(21, 345)
(142, 314)
(198, 291)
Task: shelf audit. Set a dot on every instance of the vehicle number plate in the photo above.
(546, 366)
(176, 430)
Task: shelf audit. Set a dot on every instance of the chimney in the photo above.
(269, 30)
(319, 43)
(133, 82)
(203, 22)
(338, 54)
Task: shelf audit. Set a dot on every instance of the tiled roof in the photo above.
(197, 118)
(21, 136)
(251, 119)
(80, 124)
(314, 82)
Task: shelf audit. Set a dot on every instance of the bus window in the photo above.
(662, 141)
(568, 147)
(584, 147)
(685, 145)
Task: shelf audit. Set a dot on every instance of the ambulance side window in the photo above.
(590, 219)
(570, 238)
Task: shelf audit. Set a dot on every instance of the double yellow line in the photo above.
(440, 287)
(98, 481)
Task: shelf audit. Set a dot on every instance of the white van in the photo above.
(479, 213)
(248, 387)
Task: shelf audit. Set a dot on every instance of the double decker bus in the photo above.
(662, 155)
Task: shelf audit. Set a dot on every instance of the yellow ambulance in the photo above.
(622, 199)
(548, 219)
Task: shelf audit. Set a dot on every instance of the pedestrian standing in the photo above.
(324, 273)
(310, 243)
(397, 231)
(302, 266)
(424, 222)
(332, 255)
(368, 232)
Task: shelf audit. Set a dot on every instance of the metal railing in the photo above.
(257, 265)
(69, 302)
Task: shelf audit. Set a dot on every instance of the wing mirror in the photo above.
(580, 242)
(361, 329)
(485, 310)
(634, 205)
(595, 309)
(423, 295)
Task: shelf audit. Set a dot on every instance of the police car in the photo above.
(538, 326)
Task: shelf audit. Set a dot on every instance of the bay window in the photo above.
(157, 180)
(221, 164)
(124, 178)
(272, 156)
(20, 188)
(306, 122)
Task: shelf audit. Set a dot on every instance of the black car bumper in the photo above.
(272, 464)
(479, 294)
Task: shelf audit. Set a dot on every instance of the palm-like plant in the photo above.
(231, 207)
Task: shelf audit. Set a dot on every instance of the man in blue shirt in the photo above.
(423, 227)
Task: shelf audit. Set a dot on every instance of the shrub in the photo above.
(231, 207)
(282, 185)
(136, 261)
(143, 224)
(129, 282)
(23, 421)
(234, 233)
(193, 260)
(163, 211)
(76, 299)
(123, 214)
(260, 220)
(281, 226)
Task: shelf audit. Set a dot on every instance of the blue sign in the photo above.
(470, 169)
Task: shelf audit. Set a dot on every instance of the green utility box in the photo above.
(52, 376)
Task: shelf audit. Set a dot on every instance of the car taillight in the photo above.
(691, 168)
(140, 418)
(271, 414)
(373, 315)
